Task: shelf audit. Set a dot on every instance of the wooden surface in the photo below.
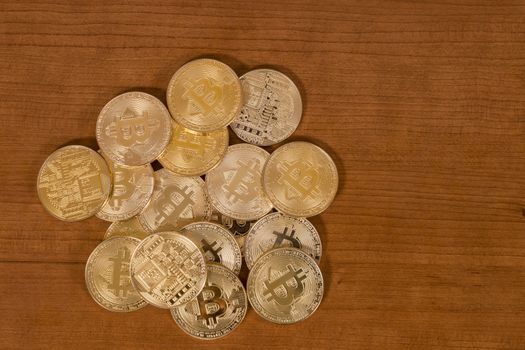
(421, 104)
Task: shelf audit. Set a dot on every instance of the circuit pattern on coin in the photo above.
(217, 310)
(278, 230)
(285, 285)
(216, 243)
(271, 108)
(204, 95)
(234, 186)
(133, 128)
(107, 275)
(132, 190)
(176, 201)
(192, 153)
(130, 227)
(300, 179)
(168, 269)
(73, 183)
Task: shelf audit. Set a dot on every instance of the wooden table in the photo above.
(421, 104)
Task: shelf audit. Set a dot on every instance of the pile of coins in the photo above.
(179, 234)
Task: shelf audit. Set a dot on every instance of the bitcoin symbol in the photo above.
(282, 286)
(211, 305)
(122, 189)
(209, 248)
(242, 185)
(131, 128)
(120, 270)
(205, 95)
(301, 177)
(173, 203)
(283, 236)
(193, 145)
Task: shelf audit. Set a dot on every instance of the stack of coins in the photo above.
(179, 234)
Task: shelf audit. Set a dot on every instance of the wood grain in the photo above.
(421, 104)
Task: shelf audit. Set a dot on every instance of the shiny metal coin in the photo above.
(217, 310)
(238, 228)
(278, 230)
(168, 269)
(176, 201)
(285, 286)
(130, 227)
(204, 95)
(133, 128)
(300, 179)
(73, 183)
(234, 186)
(191, 153)
(271, 110)
(132, 190)
(107, 275)
(217, 244)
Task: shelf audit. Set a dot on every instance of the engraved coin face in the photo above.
(168, 269)
(217, 310)
(73, 183)
(107, 275)
(285, 285)
(132, 190)
(216, 243)
(234, 186)
(192, 153)
(238, 228)
(300, 179)
(176, 201)
(133, 128)
(204, 95)
(271, 108)
(130, 227)
(277, 230)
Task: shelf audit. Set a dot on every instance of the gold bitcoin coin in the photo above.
(133, 128)
(234, 186)
(176, 201)
(204, 95)
(73, 183)
(192, 153)
(300, 179)
(168, 269)
(271, 108)
(130, 227)
(285, 286)
(278, 230)
(217, 310)
(238, 228)
(132, 190)
(107, 275)
(216, 243)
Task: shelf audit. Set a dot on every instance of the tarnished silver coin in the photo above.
(217, 244)
(238, 228)
(277, 230)
(271, 110)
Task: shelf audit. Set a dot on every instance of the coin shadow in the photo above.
(157, 92)
(90, 142)
(325, 266)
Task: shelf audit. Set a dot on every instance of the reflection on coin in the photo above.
(191, 153)
(204, 95)
(168, 269)
(130, 227)
(107, 275)
(277, 230)
(133, 128)
(238, 228)
(176, 201)
(132, 189)
(300, 179)
(285, 285)
(234, 186)
(217, 310)
(216, 243)
(271, 108)
(73, 183)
